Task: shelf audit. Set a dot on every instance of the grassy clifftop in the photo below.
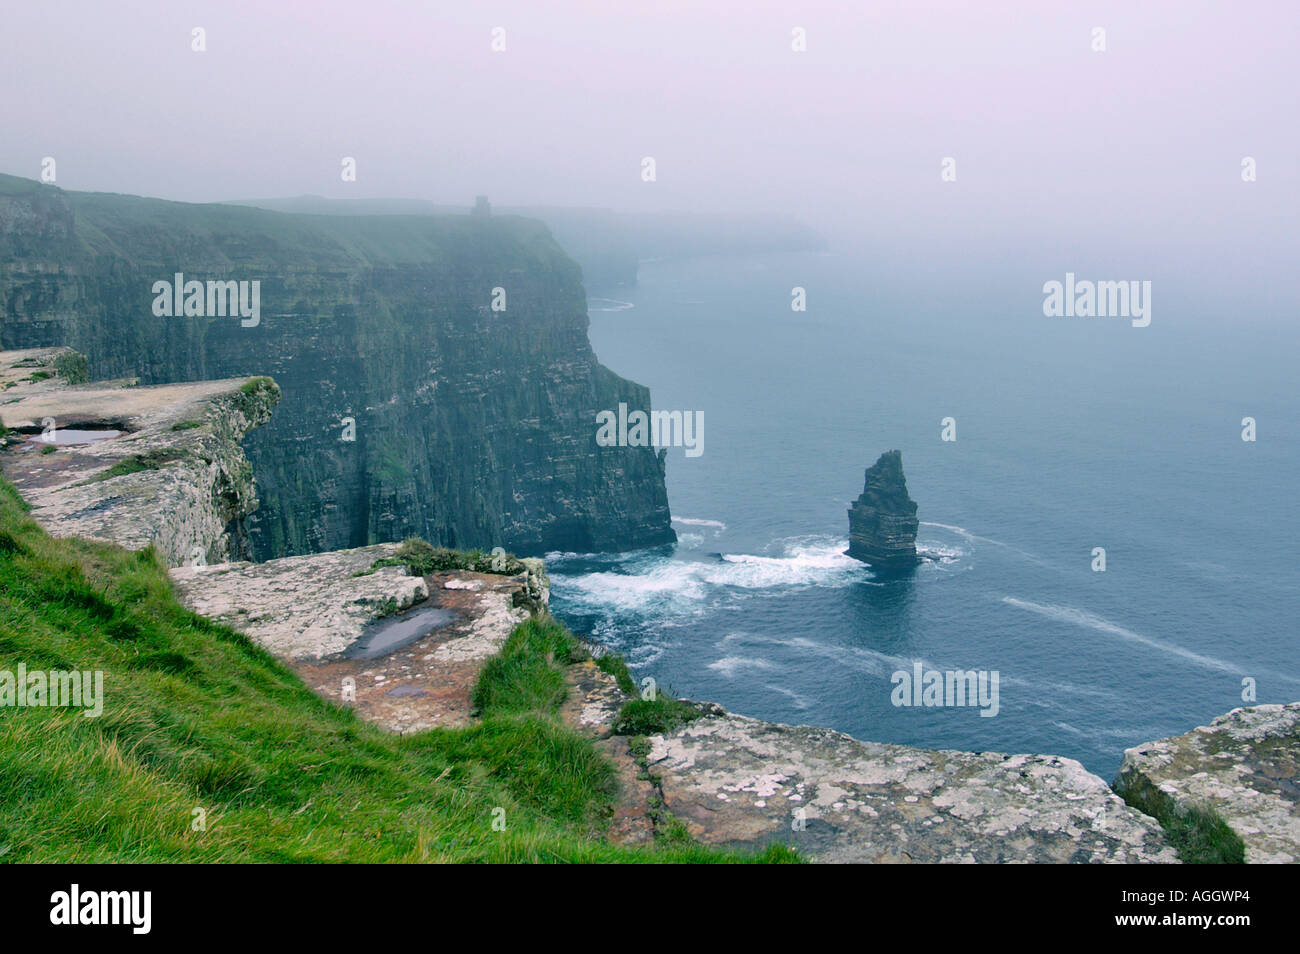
(198, 724)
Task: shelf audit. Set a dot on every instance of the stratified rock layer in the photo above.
(1244, 765)
(437, 375)
(738, 781)
(882, 521)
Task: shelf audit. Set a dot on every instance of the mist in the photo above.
(1062, 154)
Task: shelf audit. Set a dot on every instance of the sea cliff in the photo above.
(436, 373)
(683, 769)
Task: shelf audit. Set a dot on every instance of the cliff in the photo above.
(608, 245)
(135, 466)
(882, 521)
(410, 647)
(470, 427)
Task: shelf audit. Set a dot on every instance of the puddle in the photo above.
(387, 635)
(66, 436)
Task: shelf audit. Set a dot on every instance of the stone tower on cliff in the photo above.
(882, 522)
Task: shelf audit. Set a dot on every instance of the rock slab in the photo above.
(738, 781)
(1244, 765)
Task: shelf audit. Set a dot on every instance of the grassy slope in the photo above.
(196, 716)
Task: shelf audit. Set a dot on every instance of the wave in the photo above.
(698, 522)
(617, 305)
(796, 700)
(683, 587)
(976, 538)
(732, 666)
(1069, 614)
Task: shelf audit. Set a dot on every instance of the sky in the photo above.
(1054, 141)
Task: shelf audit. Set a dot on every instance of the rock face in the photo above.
(175, 476)
(738, 781)
(882, 521)
(1244, 765)
(410, 405)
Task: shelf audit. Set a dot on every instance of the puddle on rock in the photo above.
(388, 635)
(66, 436)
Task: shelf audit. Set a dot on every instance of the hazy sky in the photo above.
(1050, 138)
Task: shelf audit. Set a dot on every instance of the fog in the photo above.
(1057, 146)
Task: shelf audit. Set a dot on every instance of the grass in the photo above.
(72, 367)
(254, 385)
(527, 675)
(210, 750)
(151, 460)
(1198, 833)
(654, 716)
(422, 558)
(615, 665)
(1201, 836)
(186, 425)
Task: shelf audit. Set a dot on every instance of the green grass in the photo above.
(72, 367)
(422, 558)
(527, 675)
(197, 718)
(253, 385)
(48, 449)
(661, 714)
(151, 460)
(615, 665)
(1201, 836)
(186, 425)
(1198, 833)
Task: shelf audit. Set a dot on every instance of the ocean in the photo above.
(1071, 434)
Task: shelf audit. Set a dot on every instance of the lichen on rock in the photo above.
(1244, 767)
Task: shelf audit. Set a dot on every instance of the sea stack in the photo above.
(882, 522)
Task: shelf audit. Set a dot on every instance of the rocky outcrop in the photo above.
(738, 781)
(882, 521)
(1244, 766)
(315, 611)
(172, 474)
(410, 407)
(741, 782)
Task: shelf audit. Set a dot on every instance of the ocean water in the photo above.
(1071, 434)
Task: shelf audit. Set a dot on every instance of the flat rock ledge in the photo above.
(311, 610)
(188, 485)
(1244, 765)
(738, 781)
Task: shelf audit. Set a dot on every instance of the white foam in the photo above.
(673, 585)
(614, 302)
(697, 522)
(732, 666)
(798, 701)
(1069, 614)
